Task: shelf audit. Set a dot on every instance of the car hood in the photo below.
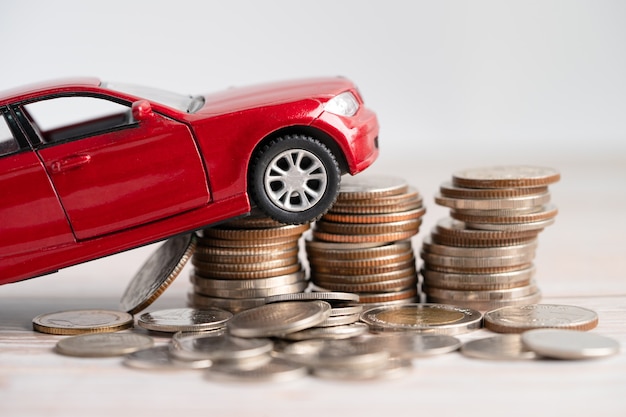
(243, 98)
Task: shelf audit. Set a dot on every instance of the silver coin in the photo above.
(217, 346)
(486, 252)
(159, 358)
(345, 353)
(157, 273)
(345, 331)
(346, 310)
(274, 370)
(329, 296)
(467, 281)
(488, 305)
(477, 262)
(392, 368)
(340, 320)
(493, 204)
(184, 319)
(423, 318)
(485, 295)
(505, 176)
(569, 344)
(511, 227)
(414, 345)
(279, 318)
(500, 347)
(516, 319)
(360, 187)
(103, 344)
(247, 284)
(295, 288)
(72, 322)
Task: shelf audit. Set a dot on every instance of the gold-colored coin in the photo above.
(375, 218)
(252, 234)
(360, 270)
(348, 279)
(266, 273)
(367, 229)
(376, 298)
(513, 176)
(72, 322)
(384, 237)
(468, 242)
(526, 201)
(341, 251)
(360, 263)
(377, 207)
(370, 287)
(454, 228)
(423, 318)
(210, 267)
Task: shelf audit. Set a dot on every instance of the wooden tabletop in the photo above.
(580, 261)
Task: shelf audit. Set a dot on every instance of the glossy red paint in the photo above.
(90, 189)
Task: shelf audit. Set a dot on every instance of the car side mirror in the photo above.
(142, 110)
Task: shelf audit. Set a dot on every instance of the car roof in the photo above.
(54, 86)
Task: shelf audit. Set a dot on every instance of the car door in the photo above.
(112, 172)
(31, 216)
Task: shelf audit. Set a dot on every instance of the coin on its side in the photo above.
(330, 296)
(184, 319)
(423, 318)
(157, 273)
(279, 318)
(500, 347)
(103, 344)
(517, 319)
(569, 344)
(72, 322)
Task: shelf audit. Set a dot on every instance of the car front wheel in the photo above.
(294, 179)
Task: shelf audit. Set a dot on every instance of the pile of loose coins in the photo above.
(482, 255)
(363, 244)
(253, 317)
(239, 263)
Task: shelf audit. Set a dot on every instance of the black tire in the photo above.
(294, 179)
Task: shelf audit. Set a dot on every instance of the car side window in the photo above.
(8, 144)
(72, 117)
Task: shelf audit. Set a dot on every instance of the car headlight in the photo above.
(344, 104)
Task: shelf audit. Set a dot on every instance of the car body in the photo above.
(88, 169)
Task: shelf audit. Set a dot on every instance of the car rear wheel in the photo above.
(294, 179)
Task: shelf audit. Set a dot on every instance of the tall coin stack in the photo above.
(481, 257)
(239, 263)
(362, 245)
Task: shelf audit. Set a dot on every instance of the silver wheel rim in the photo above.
(295, 180)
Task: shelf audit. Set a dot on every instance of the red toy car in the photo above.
(88, 169)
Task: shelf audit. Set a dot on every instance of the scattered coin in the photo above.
(279, 318)
(217, 346)
(184, 319)
(423, 318)
(392, 368)
(517, 319)
(346, 331)
(412, 345)
(569, 344)
(159, 358)
(103, 344)
(72, 322)
(329, 296)
(500, 347)
(274, 370)
(343, 353)
(157, 273)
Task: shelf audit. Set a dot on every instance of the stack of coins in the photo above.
(239, 263)
(481, 256)
(362, 245)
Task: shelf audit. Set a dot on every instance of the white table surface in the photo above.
(580, 260)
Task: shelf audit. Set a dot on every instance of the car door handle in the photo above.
(69, 163)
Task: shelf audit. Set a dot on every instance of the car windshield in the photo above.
(185, 103)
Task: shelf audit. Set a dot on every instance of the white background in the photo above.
(448, 79)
